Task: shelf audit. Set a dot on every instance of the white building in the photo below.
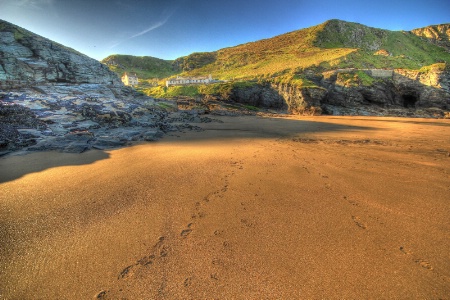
(130, 79)
(189, 80)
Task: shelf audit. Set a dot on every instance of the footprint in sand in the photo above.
(405, 251)
(126, 272)
(158, 250)
(247, 223)
(421, 262)
(187, 282)
(352, 202)
(358, 222)
(217, 262)
(100, 295)
(185, 232)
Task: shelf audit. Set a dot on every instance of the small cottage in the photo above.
(130, 79)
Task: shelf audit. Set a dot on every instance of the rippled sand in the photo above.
(252, 208)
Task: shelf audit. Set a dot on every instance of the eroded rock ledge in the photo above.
(76, 118)
(399, 92)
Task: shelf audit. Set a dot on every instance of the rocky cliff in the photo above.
(54, 98)
(436, 34)
(424, 92)
(26, 58)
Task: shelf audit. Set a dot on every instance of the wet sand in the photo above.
(252, 208)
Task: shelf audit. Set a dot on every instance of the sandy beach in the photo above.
(251, 208)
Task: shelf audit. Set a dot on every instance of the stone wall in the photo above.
(381, 73)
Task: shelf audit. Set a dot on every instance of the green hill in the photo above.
(331, 45)
(146, 67)
(436, 34)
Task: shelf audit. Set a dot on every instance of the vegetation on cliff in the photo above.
(436, 34)
(223, 89)
(328, 46)
(300, 59)
(145, 67)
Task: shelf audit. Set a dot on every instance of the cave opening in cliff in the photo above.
(409, 100)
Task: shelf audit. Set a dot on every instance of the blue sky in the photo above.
(172, 28)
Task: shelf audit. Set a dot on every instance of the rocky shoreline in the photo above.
(77, 118)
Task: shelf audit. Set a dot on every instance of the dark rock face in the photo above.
(399, 88)
(80, 117)
(301, 100)
(343, 92)
(74, 118)
(54, 98)
(26, 58)
(17, 124)
(260, 95)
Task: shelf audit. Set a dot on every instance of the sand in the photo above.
(252, 208)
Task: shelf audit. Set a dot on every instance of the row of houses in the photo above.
(189, 80)
(132, 80)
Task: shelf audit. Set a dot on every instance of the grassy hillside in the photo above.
(194, 61)
(436, 34)
(146, 67)
(289, 52)
(331, 45)
(379, 48)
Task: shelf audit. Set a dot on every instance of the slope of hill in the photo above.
(334, 64)
(436, 34)
(146, 67)
(55, 98)
(26, 57)
(271, 57)
(333, 44)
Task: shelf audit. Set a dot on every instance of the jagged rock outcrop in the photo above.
(352, 91)
(436, 34)
(301, 100)
(26, 58)
(403, 89)
(76, 118)
(54, 98)
(259, 95)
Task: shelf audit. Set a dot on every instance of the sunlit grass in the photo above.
(329, 46)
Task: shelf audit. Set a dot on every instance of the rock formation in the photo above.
(350, 91)
(436, 34)
(54, 98)
(26, 59)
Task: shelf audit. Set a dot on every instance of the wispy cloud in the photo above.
(153, 27)
(165, 16)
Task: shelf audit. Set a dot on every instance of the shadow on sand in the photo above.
(250, 127)
(13, 167)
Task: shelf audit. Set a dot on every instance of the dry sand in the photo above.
(252, 208)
